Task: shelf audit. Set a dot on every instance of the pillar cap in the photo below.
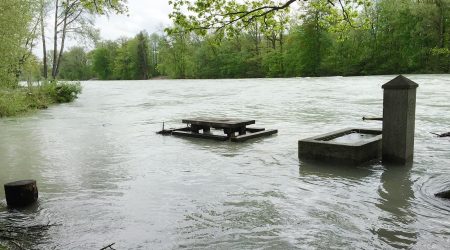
(400, 82)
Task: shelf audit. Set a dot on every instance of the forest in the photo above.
(378, 37)
(312, 38)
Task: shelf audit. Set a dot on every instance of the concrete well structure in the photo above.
(351, 146)
(399, 115)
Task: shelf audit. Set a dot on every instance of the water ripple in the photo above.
(104, 176)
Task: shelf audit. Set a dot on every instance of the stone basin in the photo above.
(351, 146)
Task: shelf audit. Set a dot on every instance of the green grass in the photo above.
(18, 101)
(25, 99)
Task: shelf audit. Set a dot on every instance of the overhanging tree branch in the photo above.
(217, 15)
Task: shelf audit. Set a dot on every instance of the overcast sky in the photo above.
(149, 15)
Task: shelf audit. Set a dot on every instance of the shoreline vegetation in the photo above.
(22, 24)
(386, 37)
(24, 99)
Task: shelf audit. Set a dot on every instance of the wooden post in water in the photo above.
(21, 193)
(399, 115)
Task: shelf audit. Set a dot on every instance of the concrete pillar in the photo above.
(399, 115)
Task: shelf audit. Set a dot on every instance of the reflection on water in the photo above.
(397, 220)
(105, 177)
(324, 170)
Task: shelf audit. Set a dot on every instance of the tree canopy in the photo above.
(233, 15)
(75, 16)
(15, 26)
(104, 6)
(238, 38)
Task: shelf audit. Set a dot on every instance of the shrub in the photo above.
(12, 102)
(61, 92)
(22, 99)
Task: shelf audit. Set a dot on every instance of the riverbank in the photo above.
(21, 100)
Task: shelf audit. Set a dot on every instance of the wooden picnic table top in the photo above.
(219, 123)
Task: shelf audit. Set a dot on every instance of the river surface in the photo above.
(105, 177)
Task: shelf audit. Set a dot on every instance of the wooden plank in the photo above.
(254, 130)
(200, 135)
(242, 138)
(219, 123)
(170, 131)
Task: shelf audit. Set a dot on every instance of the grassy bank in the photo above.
(24, 99)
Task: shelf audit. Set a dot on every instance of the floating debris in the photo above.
(444, 194)
(372, 118)
(441, 135)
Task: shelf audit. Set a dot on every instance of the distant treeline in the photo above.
(388, 37)
(123, 59)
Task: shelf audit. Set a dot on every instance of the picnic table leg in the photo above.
(242, 131)
(230, 132)
(195, 129)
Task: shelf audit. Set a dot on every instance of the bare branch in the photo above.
(108, 246)
(75, 18)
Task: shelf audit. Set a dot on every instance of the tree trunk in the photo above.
(318, 58)
(55, 41)
(44, 46)
(61, 50)
(21, 193)
(441, 25)
(281, 52)
(281, 41)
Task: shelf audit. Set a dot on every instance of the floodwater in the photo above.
(352, 138)
(105, 177)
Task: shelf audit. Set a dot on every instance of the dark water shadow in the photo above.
(395, 197)
(224, 148)
(329, 170)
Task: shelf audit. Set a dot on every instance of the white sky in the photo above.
(149, 15)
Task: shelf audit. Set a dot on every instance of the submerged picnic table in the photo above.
(229, 126)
